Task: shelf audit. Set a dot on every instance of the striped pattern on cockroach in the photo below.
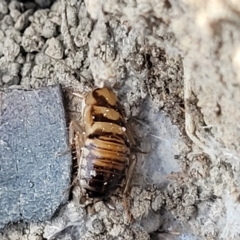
(103, 146)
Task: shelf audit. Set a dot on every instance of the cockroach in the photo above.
(103, 146)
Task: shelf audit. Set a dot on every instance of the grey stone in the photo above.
(35, 166)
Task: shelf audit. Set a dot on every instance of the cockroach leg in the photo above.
(75, 127)
(133, 161)
(78, 95)
(79, 144)
(133, 145)
(76, 139)
(130, 135)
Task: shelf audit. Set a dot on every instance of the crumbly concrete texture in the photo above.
(180, 57)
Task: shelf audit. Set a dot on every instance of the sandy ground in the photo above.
(175, 67)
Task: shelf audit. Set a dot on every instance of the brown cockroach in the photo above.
(103, 146)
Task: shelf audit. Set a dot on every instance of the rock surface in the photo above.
(175, 67)
(34, 175)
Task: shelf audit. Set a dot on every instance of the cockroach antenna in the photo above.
(111, 34)
(74, 70)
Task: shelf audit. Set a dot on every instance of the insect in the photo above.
(103, 146)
